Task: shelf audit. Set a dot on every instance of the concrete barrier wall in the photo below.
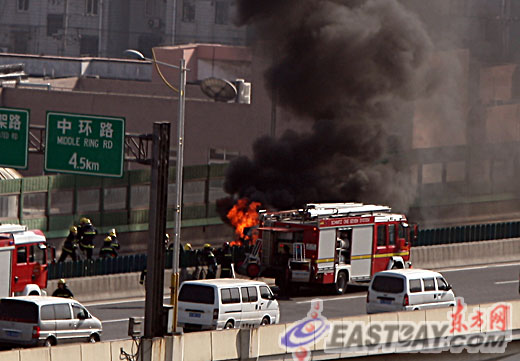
(260, 343)
(466, 254)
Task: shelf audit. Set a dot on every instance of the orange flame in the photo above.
(242, 215)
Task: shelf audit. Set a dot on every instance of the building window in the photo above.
(88, 45)
(221, 156)
(221, 12)
(23, 5)
(54, 24)
(92, 7)
(188, 11)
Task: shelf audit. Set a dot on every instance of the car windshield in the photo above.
(197, 294)
(388, 284)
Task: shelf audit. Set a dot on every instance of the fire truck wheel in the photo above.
(253, 270)
(341, 283)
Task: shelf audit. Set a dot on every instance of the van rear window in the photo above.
(18, 311)
(388, 284)
(197, 294)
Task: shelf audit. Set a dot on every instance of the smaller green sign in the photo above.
(14, 133)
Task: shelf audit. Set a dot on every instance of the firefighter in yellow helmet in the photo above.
(86, 234)
(70, 245)
(209, 260)
(188, 247)
(110, 245)
(62, 290)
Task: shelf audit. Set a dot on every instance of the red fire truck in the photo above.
(333, 243)
(23, 260)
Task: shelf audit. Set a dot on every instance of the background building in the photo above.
(104, 28)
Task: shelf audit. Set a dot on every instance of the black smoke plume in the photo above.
(352, 67)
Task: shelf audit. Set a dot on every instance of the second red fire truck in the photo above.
(331, 243)
(24, 255)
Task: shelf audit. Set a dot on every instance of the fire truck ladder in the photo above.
(342, 209)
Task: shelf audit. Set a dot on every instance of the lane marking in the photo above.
(115, 301)
(456, 269)
(505, 282)
(334, 299)
(113, 321)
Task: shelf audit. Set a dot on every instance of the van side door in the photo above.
(82, 322)
(47, 321)
(231, 306)
(250, 307)
(430, 292)
(416, 292)
(64, 324)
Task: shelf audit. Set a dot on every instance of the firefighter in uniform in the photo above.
(110, 245)
(62, 290)
(226, 261)
(208, 259)
(70, 245)
(283, 273)
(86, 234)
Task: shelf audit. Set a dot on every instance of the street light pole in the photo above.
(178, 186)
(174, 286)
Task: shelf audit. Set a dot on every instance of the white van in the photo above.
(408, 289)
(226, 303)
(41, 320)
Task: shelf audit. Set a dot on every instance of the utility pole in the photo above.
(153, 318)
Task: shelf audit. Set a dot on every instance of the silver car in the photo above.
(46, 321)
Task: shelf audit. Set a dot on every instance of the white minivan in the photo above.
(46, 321)
(226, 303)
(408, 289)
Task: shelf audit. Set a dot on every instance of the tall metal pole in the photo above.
(178, 186)
(153, 320)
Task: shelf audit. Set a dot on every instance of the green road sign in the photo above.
(85, 144)
(14, 133)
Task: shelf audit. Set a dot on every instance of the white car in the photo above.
(407, 290)
(46, 321)
(226, 303)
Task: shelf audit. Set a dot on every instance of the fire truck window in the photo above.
(21, 255)
(381, 236)
(31, 254)
(47, 313)
(403, 231)
(391, 234)
(39, 254)
(429, 284)
(415, 286)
